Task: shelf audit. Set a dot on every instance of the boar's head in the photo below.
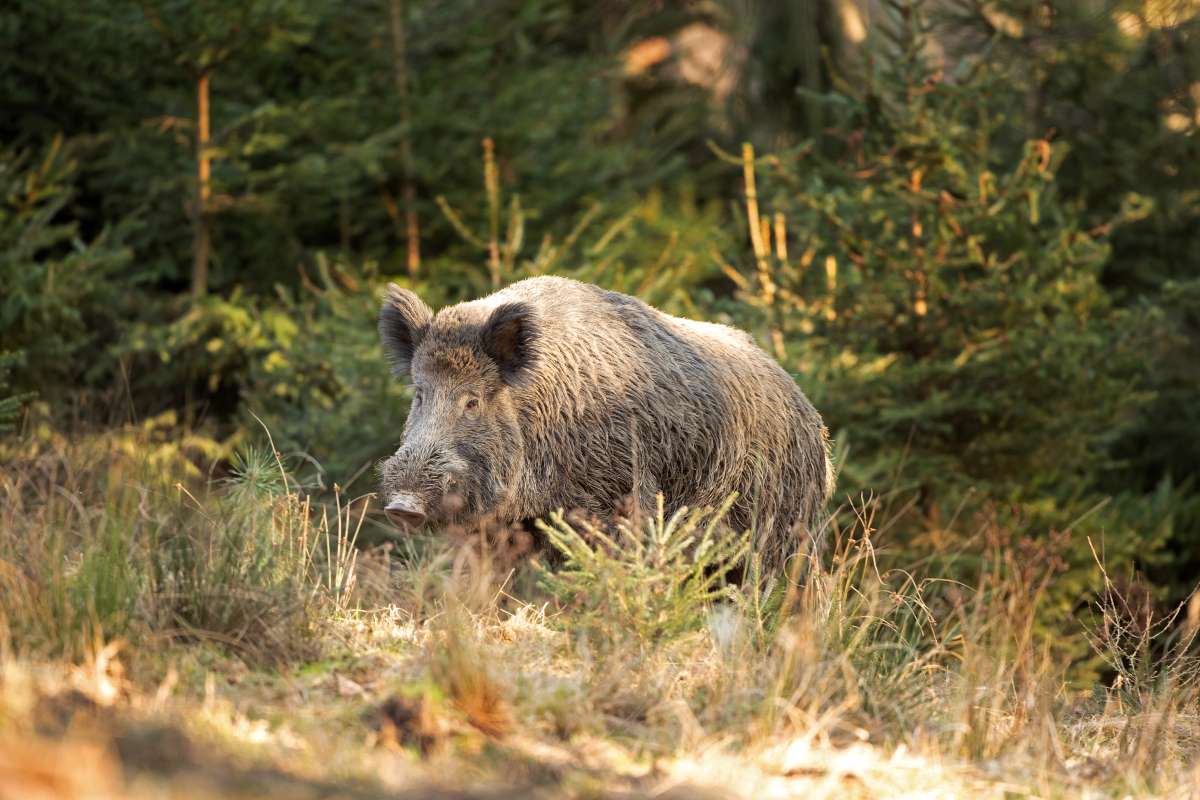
(462, 450)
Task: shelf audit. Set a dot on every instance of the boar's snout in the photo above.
(424, 483)
(406, 511)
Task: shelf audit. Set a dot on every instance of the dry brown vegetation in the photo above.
(164, 636)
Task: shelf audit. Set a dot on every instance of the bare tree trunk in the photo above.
(344, 223)
(201, 232)
(408, 190)
(806, 32)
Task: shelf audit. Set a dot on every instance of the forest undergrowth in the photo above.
(167, 633)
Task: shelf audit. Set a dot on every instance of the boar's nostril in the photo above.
(406, 512)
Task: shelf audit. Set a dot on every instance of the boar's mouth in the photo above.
(445, 487)
(455, 503)
(406, 511)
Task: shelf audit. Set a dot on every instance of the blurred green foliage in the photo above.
(992, 278)
(945, 303)
(61, 298)
(1119, 83)
(10, 402)
(946, 296)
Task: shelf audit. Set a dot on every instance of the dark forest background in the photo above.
(971, 230)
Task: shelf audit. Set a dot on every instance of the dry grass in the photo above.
(166, 638)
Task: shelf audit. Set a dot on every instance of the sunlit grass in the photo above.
(164, 635)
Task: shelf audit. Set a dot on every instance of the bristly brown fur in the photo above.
(584, 396)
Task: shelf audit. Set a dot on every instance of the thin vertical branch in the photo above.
(408, 191)
(831, 268)
(201, 232)
(780, 238)
(781, 257)
(760, 235)
(491, 183)
(753, 219)
(920, 306)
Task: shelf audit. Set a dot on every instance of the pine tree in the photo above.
(10, 402)
(59, 302)
(944, 297)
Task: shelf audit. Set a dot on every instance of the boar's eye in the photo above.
(471, 406)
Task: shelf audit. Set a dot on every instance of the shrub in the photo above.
(60, 301)
(649, 577)
(10, 402)
(101, 537)
(943, 302)
(947, 303)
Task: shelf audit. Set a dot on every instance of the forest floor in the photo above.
(228, 640)
(193, 722)
(497, 705)
(349, 727)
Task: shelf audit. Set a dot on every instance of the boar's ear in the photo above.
(403, 321)
(509, 338)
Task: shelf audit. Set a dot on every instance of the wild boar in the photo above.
(555, 394)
